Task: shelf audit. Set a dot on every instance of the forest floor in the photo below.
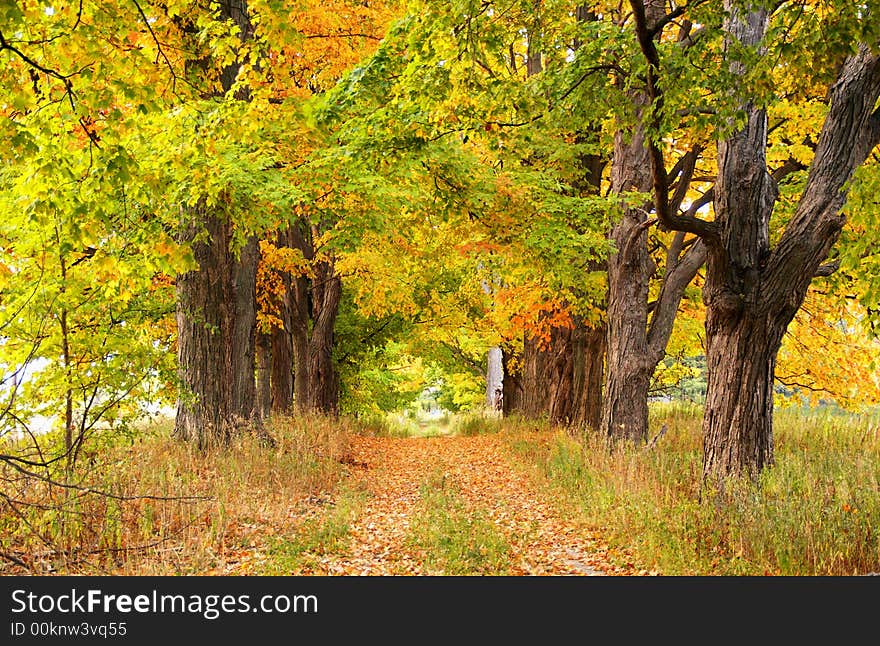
(438, 505)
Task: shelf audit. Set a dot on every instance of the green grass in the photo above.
(816, 512)
(471, 424)
(326, 534)
(453, 539)
(463, 423)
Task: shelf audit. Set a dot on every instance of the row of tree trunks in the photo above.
(560, 380)
(230, 373)
(296, 370)
(315, 306)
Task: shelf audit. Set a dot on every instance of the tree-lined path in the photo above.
(483, 497)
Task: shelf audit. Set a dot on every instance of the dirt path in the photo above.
(398, 474)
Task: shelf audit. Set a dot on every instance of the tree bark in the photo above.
(625, 406)
(494, 379)
(264, 373)
(588, 375)
(752, 292)
(281, 397)
(216, 321)
(323, 379)
(216, 311)
(511, 386)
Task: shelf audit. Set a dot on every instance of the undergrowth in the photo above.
(150, 504)
(816, 512)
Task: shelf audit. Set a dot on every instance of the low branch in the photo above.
(99, 492)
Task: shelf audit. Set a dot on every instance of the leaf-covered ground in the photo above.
(432, 506)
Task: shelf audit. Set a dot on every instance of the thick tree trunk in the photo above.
(741, 342)
(216, 311)
(562, 380)
(323, 380)
(738, 421)
(588, 375)
(216, 321)
(625, 405)
(752, 292)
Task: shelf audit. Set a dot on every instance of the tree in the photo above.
(754, 289)
(297, 364)
(216, 304)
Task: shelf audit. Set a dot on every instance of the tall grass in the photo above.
(816, 512)
(172, 509)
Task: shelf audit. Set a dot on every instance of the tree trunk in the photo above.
(216, 321)
(630, 365)
(300, 342)
(752, 292)
(264, 372)
(314, 308)
(738, 420)
(281, 397)
(323, 380)
(588, 374)
(511, 386)
(494, 379)
(216, 311)
(625, 406)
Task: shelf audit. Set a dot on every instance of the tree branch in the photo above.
(703, 228)
(827, 269)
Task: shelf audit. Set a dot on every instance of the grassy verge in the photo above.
(816, 512)
(172, 509)
(452, 539)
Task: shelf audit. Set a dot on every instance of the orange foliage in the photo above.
(277, 265)
(528, 310)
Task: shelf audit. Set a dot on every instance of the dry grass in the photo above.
(205, 511)
(816, 512)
